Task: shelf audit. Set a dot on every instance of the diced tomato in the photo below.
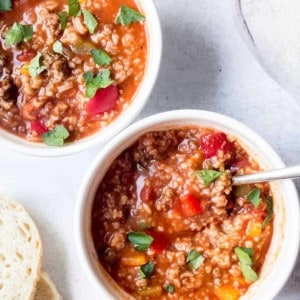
(38, 127)
(190, 205)
(160, 241)
(213, 142)
(147, 193)
(26, 55)
(104, 100)
(259, 213)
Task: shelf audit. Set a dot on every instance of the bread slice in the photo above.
(20, 252)
(46, 289)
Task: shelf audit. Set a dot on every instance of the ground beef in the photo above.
(57, 66)
(165, 199)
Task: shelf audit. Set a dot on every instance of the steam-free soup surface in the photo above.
(65, 75)
(167, 223)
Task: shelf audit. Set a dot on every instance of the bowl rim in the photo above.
(177, 116)
(139, 100)
(245, 34)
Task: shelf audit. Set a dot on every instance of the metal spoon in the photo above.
(289, 172)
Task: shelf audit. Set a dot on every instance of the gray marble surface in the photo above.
(205, 65)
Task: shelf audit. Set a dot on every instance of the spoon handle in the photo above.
(290, 172)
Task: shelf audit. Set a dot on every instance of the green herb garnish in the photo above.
(5, 5)
(100, 57)
(254, 197)
(63, 19)
(270, 212)
(143, 225)
(249, 251)
(208, 176)
(169, 288)
(146, 270)
(36, 67)
(74, 8)
(89, 21)
(58, 47)
(140, 240)
(55, 137)
(242, 190)
(15, 35)
(194, 259)
(128, 15)
(28, 32)
(245, 256)
(18, 33)
(92, 84)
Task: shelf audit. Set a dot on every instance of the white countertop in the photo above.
(206, 66)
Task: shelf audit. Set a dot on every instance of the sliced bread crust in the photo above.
(20, 252)
(46, 289)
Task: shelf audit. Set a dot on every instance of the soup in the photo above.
(168, 224)
(68, 68)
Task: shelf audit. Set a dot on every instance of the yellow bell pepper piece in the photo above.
(150, 291)
(24, 69)
(253, 229)
(227, 292)
(134, 259)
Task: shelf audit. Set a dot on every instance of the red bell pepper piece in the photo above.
(104, 100)
(147, 194)
(160, 241)
(26, 55)
(38, 127)
(213, 142)
(190, 205)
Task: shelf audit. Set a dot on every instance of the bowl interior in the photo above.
(128, 115)
(285, 241)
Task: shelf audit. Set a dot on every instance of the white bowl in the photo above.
(285, 242)
(274, 56)
(18, 144)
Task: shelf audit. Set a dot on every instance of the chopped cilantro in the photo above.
(92, 84)
(100, 57)
(57, 47)
(170, 288)
(128, 15)
(36, 67)
(55, 137)
(254, 197)
(270, 212)
(74, 8)
(89, 21)
(245, 256)
(18, 33)
(140, 240)
(63, 18)
(208, 176)
(5, 5)
(194, 259)
(146, 270)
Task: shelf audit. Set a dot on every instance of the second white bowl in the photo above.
(285, 242)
